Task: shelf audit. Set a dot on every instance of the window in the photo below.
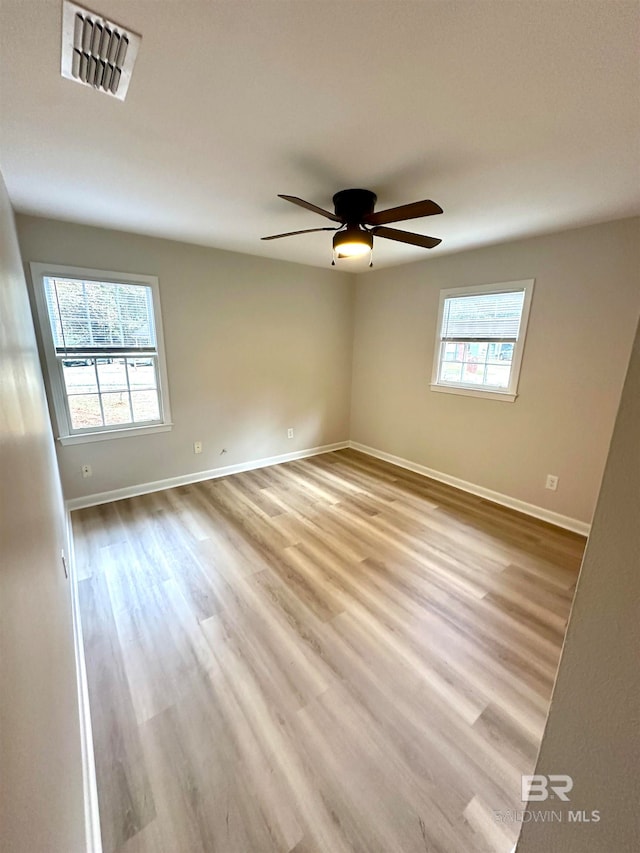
(481, 333)
(102, 339)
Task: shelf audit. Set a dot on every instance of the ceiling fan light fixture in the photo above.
(353, 242)
(359, 223)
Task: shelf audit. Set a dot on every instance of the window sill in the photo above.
(107, 435)
(501, 396)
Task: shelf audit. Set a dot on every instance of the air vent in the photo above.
(97, 52)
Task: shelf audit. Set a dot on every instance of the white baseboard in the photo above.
(93, 836)
(539, 512)
(185, 479)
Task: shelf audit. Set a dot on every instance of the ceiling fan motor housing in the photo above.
(353, 205)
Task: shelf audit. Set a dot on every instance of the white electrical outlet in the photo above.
(197, 447)
(552, 482)
(290, 432)
(87, 471)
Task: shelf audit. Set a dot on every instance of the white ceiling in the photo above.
(518, 117)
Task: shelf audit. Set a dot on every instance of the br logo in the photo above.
(537, 787)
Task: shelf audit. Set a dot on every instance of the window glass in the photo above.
(104, 348)
(480, 332)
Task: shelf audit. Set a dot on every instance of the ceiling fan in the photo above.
(354, 210)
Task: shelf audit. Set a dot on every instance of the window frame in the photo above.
(66, 433)
(509, 394)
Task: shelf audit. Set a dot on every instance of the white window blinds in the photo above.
(95, 316)
(482, 317)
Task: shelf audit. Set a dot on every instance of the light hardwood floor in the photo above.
(324, 656)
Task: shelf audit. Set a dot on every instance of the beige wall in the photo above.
(592, 732)
(253, 347)
(41, 793)
(583, 316)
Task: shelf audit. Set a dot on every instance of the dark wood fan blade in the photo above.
(302, 203)
(291, 233)
(406, 211)
(406, 237)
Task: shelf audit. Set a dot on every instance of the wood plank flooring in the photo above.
(325, 656)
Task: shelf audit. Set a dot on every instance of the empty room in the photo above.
(320, 392)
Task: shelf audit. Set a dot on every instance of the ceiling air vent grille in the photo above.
(96, 52)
